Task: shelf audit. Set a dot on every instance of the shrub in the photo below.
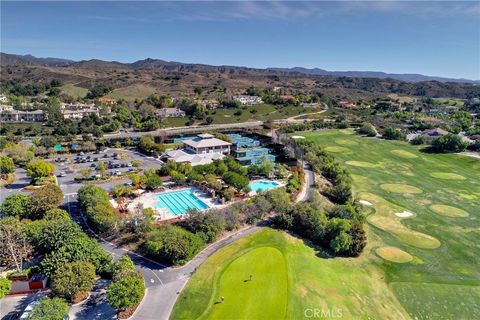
(418, 140)
(94, 202)
(5, 286)
(126, 292)
(393, 134)
(449, 143)
(6, 165)
(73, 280)
(172, 244)
(50, 309)
(367, 129)
(57, 233)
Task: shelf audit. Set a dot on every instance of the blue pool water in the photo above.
(178, 202)
(260, 186)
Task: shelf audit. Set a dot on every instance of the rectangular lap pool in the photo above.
(262, 185)
(178, 202)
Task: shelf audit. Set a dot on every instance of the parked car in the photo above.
(63, 174)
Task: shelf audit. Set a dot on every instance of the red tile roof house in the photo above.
(345, 104)
(105, 100)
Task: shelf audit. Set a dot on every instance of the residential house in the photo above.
(77, 106)
(23, 116)
(209, 104)
(170, 112)
(79, 114)
(4, 107)
(105, 100)
(346, 104)
(248, 100)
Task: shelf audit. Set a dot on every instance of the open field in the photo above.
(73, 90)
(421, 265)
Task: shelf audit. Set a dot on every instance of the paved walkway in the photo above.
(304, 193)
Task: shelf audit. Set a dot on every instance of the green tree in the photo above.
(37, 169)
(74, 279)
(126, 293)
(367, 129)
(5, 286)
(57, 233)
(82, 248)
(153, 181)
(122, 267)
(236, 180)
(15, 248)
(6, 165)
(15, 205)
(173, 244)
(20, 153)
(44, 199)
(50, 309)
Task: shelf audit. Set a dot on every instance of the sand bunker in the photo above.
(298, 137)
(394, 254)
(336, 149)
(361, 164)
(448, 211)
(404, 154)
(404, 214)
(400, 188)
(447, 176)
(365, 202)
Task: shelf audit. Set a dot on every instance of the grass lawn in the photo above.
(423, 266)
(289, 279)
(442, 191)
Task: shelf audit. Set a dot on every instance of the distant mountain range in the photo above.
(410, 77)
(157, 64)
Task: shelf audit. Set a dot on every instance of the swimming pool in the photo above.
(262, 185)
(178, 202)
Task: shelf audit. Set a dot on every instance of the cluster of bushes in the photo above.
(324, 163)
(32, 206)
(367, 129)
(295, 180)
(231, 172)
(94, 202)
(449, 143)
(391, 133)
(339, 229)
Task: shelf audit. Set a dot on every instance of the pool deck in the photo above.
(148, 200)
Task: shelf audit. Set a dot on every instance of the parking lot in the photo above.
(118, 163)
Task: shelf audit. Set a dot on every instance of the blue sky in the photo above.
(435, 38)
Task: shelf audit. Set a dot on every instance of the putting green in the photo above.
(265, 297)
(448, 211)
(447, 176)
(336, 149)
(362, 164)
(400, 188)
(404, 154)
(394, 254)
(346, 142)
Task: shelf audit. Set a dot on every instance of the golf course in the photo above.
(421, 260)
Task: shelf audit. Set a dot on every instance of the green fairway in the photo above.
(423, 265)
(442, 279)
